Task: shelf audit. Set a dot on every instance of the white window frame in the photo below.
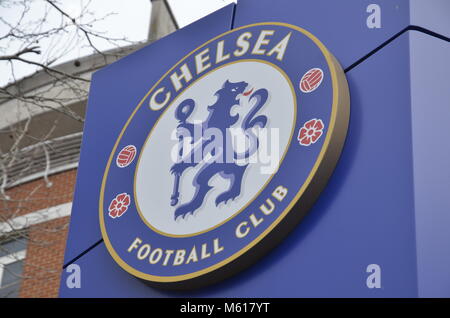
(37, 217)
(25, 221)
(9, 259)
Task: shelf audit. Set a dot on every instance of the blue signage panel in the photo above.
(178, 186)
(430, 102)
(350, 29)
(115, 91)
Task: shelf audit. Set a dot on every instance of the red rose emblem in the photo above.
(119, 205)
(310, 132)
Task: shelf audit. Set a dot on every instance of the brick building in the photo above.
(41, 218)
(36, 186)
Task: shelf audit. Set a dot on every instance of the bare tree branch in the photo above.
(32, 41)
(33, 49)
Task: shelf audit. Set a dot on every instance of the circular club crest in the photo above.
(230, 152)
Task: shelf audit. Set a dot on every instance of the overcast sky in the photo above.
(187, 11)
(130, 21)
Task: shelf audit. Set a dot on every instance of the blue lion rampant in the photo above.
(219, 118)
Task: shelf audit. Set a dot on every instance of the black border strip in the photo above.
(233, 16)
(172, 15)
(82, 254)
(409, 28)
(216, 307)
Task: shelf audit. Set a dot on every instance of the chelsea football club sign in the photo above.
(224, 155)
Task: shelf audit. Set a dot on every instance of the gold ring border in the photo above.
(339, 82)
(283, 73)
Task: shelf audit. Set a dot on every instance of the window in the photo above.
(12, 254)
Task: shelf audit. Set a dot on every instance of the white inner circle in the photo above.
(154, 182)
